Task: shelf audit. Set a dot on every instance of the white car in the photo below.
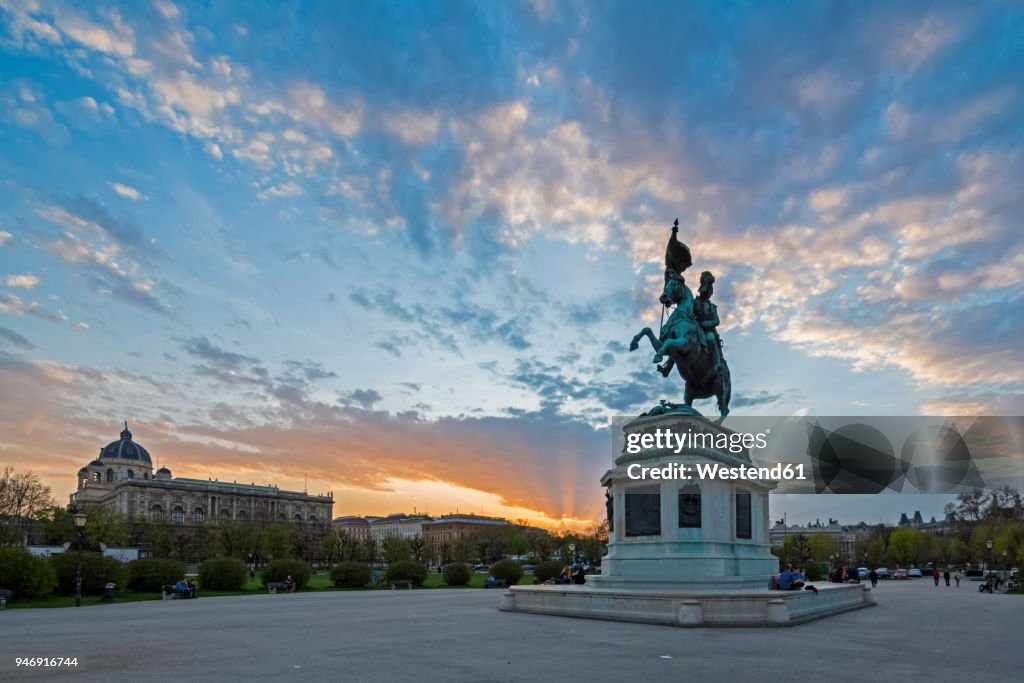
(882, 572)
(914, 573)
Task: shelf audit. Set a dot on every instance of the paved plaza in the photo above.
(916, 632)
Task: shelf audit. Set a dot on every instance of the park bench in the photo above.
(274, 586)
(4, 594)
(498, 583)
(401, 582)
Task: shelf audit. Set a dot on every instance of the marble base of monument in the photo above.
(690, 608)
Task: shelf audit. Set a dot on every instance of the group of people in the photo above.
(791, 580)
(946, 575)
(842, 574)
(186, 588)
(570, 575)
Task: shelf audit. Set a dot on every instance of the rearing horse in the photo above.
(680, 341)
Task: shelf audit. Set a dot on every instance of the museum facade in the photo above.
(122, 479)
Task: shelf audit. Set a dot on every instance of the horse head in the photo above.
(675, 289)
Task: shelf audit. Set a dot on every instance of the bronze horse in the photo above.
(681, 342)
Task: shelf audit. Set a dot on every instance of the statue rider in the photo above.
(707, 316)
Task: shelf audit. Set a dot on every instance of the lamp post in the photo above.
(80, 519)
(988, 544)
(572, 553)
(1004, 564)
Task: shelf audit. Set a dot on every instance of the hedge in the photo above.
(509, 570)
(25, 574)
(226, 574)
(549, 569)
(279, 570)
(457, 574)
(97, 571)
(151, 575)
(407, 570)
(351, 575)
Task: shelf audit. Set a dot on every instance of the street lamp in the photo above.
(572, 553)
(988, 544)
(80, 519)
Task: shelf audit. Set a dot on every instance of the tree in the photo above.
(276, 542)
(463, 549)
(822, 547)
(903, 545)
(23, 497)
(236, 540)
(330, 547)
(419, 548)
(57, 525)
(395, 550)
(105, 525)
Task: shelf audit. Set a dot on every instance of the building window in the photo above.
(298, 520)
(178, 515)
(744, 528)
(689, 508)
(131, 474)
(156, 513)
(110, 476)
(241, 516)
(225, 515)
(312, 520)
(643, 512)
(97, 477)
(259, 516)
(198, 516)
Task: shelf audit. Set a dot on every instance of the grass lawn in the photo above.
(319, 582)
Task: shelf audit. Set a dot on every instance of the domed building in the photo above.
(122, 478)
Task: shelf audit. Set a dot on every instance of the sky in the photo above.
(398, 250)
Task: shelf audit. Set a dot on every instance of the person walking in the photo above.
(873, 575)
(957, 577)
(935, 575)
(945, 575)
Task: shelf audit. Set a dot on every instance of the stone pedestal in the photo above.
(685, 552)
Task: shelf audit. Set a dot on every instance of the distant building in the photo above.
(122, 478)
(356, 527)
(439, 534)
(397, 525)
(844, 536)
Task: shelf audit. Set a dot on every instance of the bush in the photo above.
(457, 574)
(25, 574)
(279, 570)
(407, 570)
(509, 570)
(97, 571)
(549, 569)
(351, 575)
(151, 575)
(223, 575)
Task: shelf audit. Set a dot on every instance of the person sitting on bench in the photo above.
(788, 581)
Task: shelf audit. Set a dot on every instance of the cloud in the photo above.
(127, 192)
(13, 305)
(12, 337)
(6, 238)
(286, 189)
(25, 281)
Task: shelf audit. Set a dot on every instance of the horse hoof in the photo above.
(658, 358)
(633, 346)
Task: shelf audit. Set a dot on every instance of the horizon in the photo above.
(398, 252)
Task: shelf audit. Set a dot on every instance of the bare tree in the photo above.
(23, 498)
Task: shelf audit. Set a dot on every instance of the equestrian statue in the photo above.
(688, 341)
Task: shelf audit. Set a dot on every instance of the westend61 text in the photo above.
(705, 470)
(667, 439)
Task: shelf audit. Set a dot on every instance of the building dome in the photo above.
(163, 470)
(96, 463)
(125, 449)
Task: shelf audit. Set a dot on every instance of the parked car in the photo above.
(883, 573)
(901, 574)
(528, 568)
(863, 571)
(914, 573)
